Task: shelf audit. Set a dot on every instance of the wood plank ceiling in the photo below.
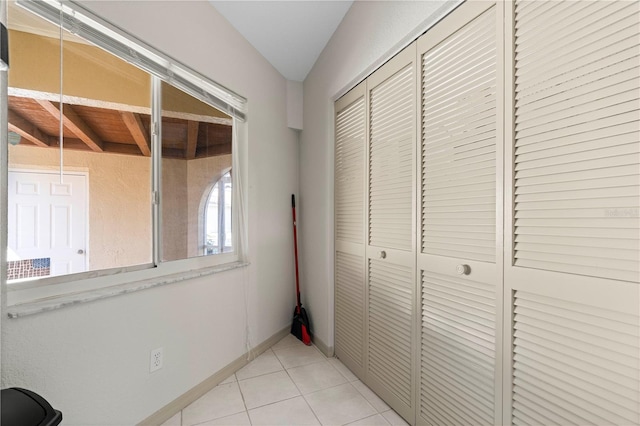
(88, 128)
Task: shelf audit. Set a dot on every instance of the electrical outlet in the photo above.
(155, 363)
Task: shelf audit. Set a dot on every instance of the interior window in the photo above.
(91, 186)
(196, 146)
(217, 217)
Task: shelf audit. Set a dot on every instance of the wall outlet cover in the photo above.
(155, 362)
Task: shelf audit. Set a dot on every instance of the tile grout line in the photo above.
(277, 358)
(333, 387)
(312, 410)
(262, 374)
(342, 384)
(302, 395)
(338, 360)
(246, 410)
(227, 415)
(373, 415)
(276, 402)
(367, 399)
(302, 365)
(288, 375)
(244, 403)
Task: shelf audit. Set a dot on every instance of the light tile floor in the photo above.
(289, 384)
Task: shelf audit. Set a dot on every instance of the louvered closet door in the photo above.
(573, 274)
(390, 264)
(459, 259)
(350, 175)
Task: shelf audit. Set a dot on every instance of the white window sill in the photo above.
(59, 302)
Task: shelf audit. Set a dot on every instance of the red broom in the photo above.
(300, 325)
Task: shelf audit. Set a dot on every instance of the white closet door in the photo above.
(573, 230)
(390, 260)
(459, 263)
(350, 176)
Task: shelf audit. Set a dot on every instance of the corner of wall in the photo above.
(294, 104)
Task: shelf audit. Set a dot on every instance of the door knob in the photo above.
(463, 269)
(383, 254)
(80, 251)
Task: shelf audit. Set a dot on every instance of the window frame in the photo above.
(162, 68)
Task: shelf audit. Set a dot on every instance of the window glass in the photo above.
(218, 235)
(196, 153)
(87, 206)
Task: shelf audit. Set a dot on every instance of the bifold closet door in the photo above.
(349, 184)
(459, 258)
(390, 223)
(572, 272)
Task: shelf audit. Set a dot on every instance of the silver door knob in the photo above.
(80, 251)
(463, 269)
(382, 254)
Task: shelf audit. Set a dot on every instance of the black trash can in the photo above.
(21, 407)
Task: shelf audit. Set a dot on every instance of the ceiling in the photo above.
(89, 128)
(289, 34)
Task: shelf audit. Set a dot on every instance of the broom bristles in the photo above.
(306, 339)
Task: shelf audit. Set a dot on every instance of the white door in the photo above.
(47, 219)
(572, 228)
(459, 262)
(350, 189)
(391, 233)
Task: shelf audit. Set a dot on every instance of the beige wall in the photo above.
(35, 65)
(119, 201)
(174, 200)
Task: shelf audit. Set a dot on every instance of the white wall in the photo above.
(91, 360)
(295, 104)
(369, 32)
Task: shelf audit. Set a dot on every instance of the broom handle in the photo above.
(295, 248)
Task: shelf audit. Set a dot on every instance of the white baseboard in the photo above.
(169, 410)
(328, 351)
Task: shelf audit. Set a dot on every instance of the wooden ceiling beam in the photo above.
(74, 123)
(27, 130)
(140, 136)
(192, 139)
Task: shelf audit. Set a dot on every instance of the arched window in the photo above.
(217, 218)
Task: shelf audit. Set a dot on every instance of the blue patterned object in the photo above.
(45, 262)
